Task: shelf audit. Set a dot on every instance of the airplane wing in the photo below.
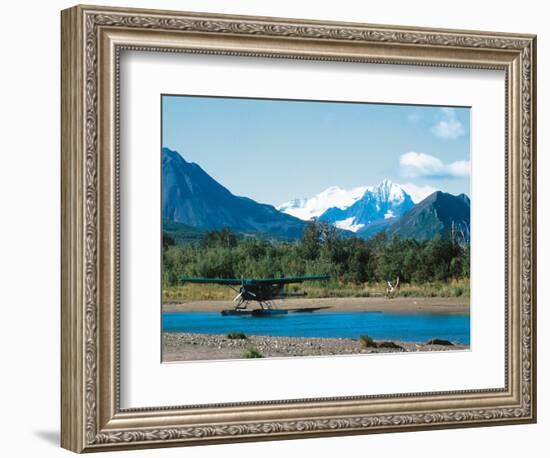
(286, 280)
(217, 281)
(264, 281)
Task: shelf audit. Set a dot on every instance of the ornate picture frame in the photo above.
(93, 39)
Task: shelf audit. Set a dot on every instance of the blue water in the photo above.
(417, 327)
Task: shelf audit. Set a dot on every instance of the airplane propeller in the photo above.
(239, 296)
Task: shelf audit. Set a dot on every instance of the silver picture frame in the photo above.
(92, 41)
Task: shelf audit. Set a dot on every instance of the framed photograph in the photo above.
(279, 228)
(350, 268)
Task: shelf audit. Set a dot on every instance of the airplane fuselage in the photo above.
(261, 292)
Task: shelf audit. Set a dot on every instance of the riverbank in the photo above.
(447, 305)
(315, 290)
(180, 346)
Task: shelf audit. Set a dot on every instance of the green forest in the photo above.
(440, 266)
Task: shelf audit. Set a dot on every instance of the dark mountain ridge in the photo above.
(440, 213)
(191, 197)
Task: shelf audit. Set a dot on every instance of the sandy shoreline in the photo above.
(446, 305)
(180, 346)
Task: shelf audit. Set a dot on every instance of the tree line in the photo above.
(320, 251)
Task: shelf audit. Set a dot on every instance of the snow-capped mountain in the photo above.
(357, 209)
(383, 203)
(333, 197)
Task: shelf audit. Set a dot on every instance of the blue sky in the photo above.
(276, 150)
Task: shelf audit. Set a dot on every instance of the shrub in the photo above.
(456, 291)
(439, 342)
(252, 352)
(367, 341)
(236, 335)
(389, 344)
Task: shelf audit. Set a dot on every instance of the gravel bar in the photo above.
(181, 346)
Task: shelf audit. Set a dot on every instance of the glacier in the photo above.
(354, 209)
(313, 207)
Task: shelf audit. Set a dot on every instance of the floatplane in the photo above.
(262, 291)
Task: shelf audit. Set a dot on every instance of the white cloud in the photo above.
(448, 125)
(459, 168)
(421, 165)
(418, 193)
